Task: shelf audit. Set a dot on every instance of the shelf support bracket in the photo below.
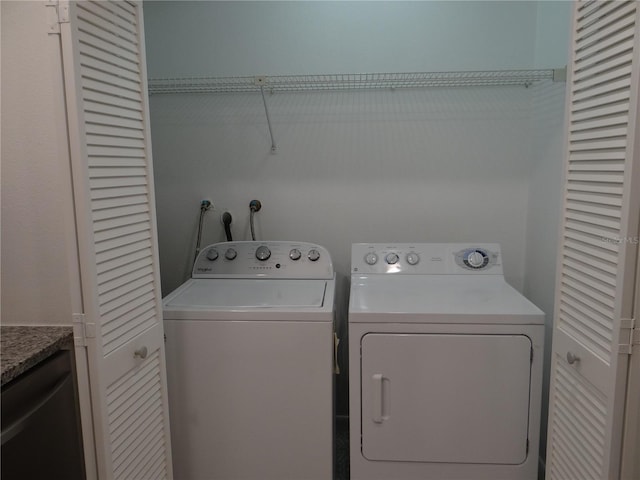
(560, 74)
(260, 82)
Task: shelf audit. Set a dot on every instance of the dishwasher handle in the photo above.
(21, 423)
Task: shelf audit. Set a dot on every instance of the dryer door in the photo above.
(445, 397)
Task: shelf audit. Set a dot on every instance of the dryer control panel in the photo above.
(263, 259)
(426, 258)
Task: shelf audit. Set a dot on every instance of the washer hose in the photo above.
(204, 206)
(254, 206)
(226, 221)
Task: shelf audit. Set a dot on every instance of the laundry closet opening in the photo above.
(449, 162)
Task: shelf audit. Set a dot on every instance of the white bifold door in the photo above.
(107, 109)
(596, 284)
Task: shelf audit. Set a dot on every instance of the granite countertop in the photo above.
(23, 347)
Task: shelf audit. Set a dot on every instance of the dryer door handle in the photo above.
(377, 403)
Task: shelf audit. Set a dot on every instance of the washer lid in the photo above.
(232, 294)
(451, 298)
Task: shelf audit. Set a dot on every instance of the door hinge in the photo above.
(58, 12)
(82, 329)
(629, 336)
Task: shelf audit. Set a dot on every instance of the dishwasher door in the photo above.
(41, 435)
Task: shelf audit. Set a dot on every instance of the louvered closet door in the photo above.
(105, 77)
(598, 246)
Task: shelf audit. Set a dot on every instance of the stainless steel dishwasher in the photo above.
(41, 435)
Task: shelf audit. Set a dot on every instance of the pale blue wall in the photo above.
(281, 38)
(552, 33)
(275, 37)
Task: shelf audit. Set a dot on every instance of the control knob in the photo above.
(313, 255)
(295, 254)
(476, 259)
(413, 258)
(392, 258)
(212, 254)
(263, 253)
(230, 254)
(371, 258)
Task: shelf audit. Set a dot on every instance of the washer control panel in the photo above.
(426, 258)
(263, 259)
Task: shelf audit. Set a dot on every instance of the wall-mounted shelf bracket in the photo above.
(560, 74)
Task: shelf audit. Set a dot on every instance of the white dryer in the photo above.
(250, 357)
(445, 365)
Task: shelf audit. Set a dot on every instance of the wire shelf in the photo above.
(352, 81)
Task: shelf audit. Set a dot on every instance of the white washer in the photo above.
(250, 357)
(445, 365)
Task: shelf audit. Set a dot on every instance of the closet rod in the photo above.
(350, 81)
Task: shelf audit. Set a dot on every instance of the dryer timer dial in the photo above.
(475, 258)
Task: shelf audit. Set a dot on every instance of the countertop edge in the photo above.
(25, 346)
